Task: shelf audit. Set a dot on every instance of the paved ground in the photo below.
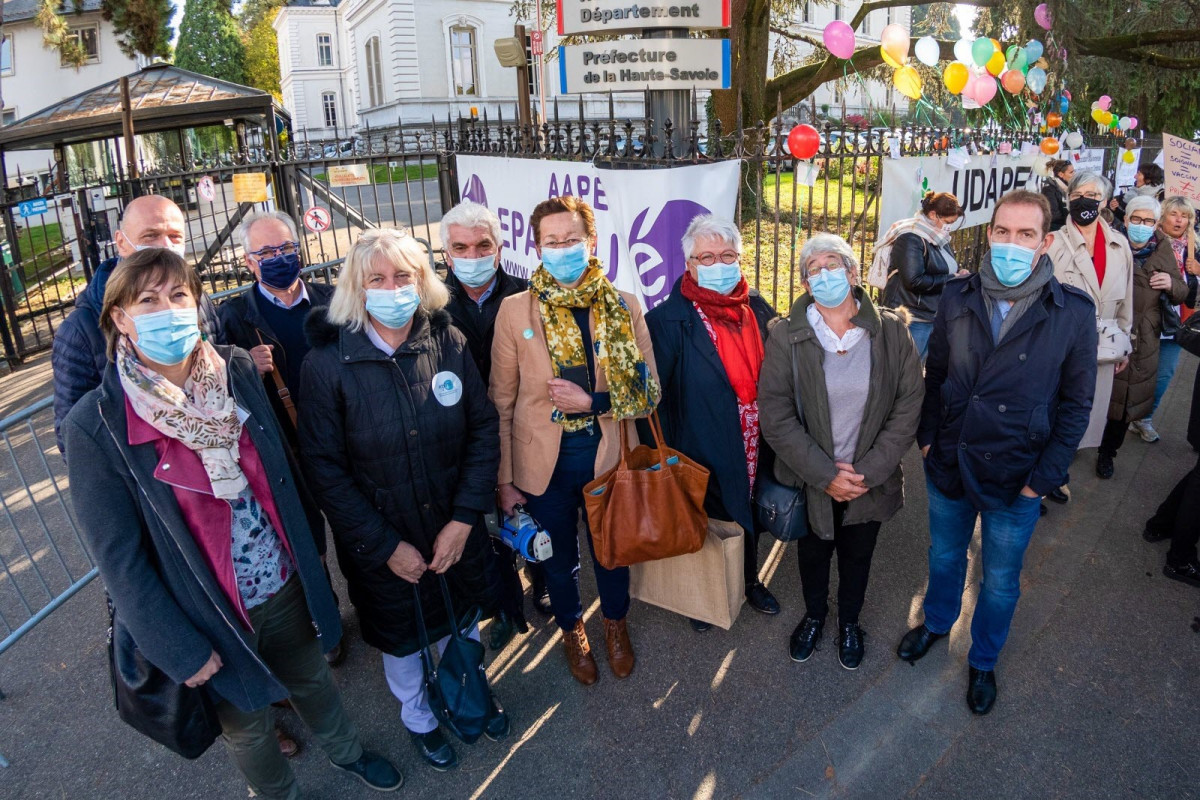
(1098, 686)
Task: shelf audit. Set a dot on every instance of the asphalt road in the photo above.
(1098, 687)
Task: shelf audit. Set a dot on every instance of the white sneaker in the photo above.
(1145, 429)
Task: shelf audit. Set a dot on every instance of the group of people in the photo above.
(208, 448)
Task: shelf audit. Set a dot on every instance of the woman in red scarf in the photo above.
(709, 338)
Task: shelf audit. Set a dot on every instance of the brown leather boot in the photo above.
(579, 655)
(620, 649)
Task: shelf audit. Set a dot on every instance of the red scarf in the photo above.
(739, 342)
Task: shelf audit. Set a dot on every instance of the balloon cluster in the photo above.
(1103, 114)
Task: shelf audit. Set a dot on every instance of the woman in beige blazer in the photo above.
(1092, 257)
(570, 357)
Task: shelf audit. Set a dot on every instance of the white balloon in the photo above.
(1041, 166)
(962, 51)
(1073, 140)
(928, 51)
(1123, 123)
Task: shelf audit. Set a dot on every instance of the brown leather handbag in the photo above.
(649, 506)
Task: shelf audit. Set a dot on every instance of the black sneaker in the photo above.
(1154, 533)
(1104, 466)
(805, 637)
(1188, 572)
(375, 771)
(699, 625)
(850, 645)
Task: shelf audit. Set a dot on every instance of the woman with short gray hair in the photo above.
(839, 399)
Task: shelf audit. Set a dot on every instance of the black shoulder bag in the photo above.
(781, 509)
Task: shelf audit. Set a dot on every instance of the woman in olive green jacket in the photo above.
(861, 389)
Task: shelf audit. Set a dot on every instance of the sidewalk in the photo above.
(1098, 684)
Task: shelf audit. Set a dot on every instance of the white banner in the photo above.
(640, 214)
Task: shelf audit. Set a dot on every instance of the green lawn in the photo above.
(383, 174)
(42, 251)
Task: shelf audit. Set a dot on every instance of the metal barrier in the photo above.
(43, 559)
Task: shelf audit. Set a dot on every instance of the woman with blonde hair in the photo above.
(399, 442)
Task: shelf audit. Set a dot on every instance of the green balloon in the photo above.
(1018, 60)
(1010, 53)
(981, 51)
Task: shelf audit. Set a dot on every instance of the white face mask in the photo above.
(178, 249)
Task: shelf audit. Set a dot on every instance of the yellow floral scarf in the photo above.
(632, 389)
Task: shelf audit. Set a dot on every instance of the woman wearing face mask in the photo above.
(1155, 275)
(570, 358)
(183, 487)
(1148, 182)
(1092, 257)
(1055, 190)
(398, 441)
(860, 391)
(922, 262)
(709, 337)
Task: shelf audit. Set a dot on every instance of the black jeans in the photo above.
(1113, 437)
(855, 544)
(1179, 517)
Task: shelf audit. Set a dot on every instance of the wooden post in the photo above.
(523, 109)
(127, 128)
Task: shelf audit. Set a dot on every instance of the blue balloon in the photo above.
(1063, 104)
(1034, 50)
(1036, 80)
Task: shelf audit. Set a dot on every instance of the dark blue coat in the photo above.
(177, 612)
(998, 418)
(698, 409)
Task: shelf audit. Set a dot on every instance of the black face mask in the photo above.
(1084, 210)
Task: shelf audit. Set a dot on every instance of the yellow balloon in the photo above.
(1098, 115)
(995, 64)
(1127, 156)
(889, 60)
(908, 81)
(996, 45)
(955, 77)
(894, 42)
(1108, 117)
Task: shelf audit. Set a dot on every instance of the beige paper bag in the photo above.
(708, 585)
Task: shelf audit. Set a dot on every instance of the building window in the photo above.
(839, 94)
(89, 40)
(6, 56)
(329, 109)
(462, 60)
(866, 25)
(9, 116)
(889, 17)
(534, 72)
(324, 50)
(837, 10)
(374, 72)
(806, 12)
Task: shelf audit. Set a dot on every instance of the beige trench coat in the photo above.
(1114, 300)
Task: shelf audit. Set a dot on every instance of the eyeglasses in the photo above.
(285, 249)
(814, 271)
(1088, 195)
(561, 245)
(1142, 220)
(708, 259)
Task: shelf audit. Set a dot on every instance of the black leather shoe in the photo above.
(805, 637)
(435, 750)
(1044, 510)
(1104, 466)
(1058, 495)
(337, 656)
(759, 598)
(501, 631)
(541, 595)
(497, 727)
(375, 771)
(699, 626)
(850, 645)
(1153, 534)
(916, 643)
(981, 690)
(1188, 572)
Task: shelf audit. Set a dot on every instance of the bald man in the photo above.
(79, 355)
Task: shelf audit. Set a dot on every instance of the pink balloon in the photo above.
(985, 89)
(1133, 123)
(839, 39)
(1041, 15)
(1105, 101)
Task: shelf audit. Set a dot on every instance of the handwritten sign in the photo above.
(249, 187)
(343, 175)
(1182, 167)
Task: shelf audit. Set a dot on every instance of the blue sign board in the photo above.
(29, 208)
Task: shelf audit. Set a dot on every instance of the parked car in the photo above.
(340, 149)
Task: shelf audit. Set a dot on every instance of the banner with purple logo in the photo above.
(640, 214)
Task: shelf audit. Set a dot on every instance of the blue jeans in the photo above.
(920, 332)
(558, 511)
(1005, 536)
(1168, 360)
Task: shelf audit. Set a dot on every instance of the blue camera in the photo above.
(525, 535)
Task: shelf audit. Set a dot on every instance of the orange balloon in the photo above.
(996, 45)
(995, 64)
(1013, 81)
(889, 59)
(1054, 119)
(1049, 145)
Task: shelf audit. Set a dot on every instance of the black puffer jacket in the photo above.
(389, 462)
(920, 270)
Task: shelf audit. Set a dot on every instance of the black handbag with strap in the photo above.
(782, 510)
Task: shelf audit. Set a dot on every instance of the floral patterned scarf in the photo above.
(632, 389)
(202, 415)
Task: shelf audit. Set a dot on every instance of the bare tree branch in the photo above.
(867, 8)
(797, 37)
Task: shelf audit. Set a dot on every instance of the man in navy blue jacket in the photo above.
(1008, 390)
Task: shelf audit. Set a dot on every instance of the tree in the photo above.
(262, 57)
(210, 42)
(142, 26)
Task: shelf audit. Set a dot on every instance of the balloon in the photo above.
(1036, 80)
(1112, 122)
(1063, 103)
(1108, 118)
(1133, 123)
(1054, 119)
(839, 39)
(908, 82)
(1127, 156)
(962, 50)
(1049, 145)
(1098, 115)
(995, 64)
(985, 89)
(1073, 140)
(1033, 50)
(889, 60)
(955, 77)
(1123, 123)
(981, 51)
(1041, 15)
(1041, 166)
(894, 41)
(1105, 101)
(804, 141)
(1131, 143)
(928, 51)
(1019, 60)
(1013, 81)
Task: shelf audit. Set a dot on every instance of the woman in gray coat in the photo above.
(860, 393)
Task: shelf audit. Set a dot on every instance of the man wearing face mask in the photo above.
(1008, 391)
(78, 356)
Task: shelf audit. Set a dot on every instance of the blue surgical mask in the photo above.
(167, 337)
(393, 308)
(719, 278)
(1012, 263)
(475, 272)
(830, 287)
(1140, 234)
(566, 264)
(280, 272)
